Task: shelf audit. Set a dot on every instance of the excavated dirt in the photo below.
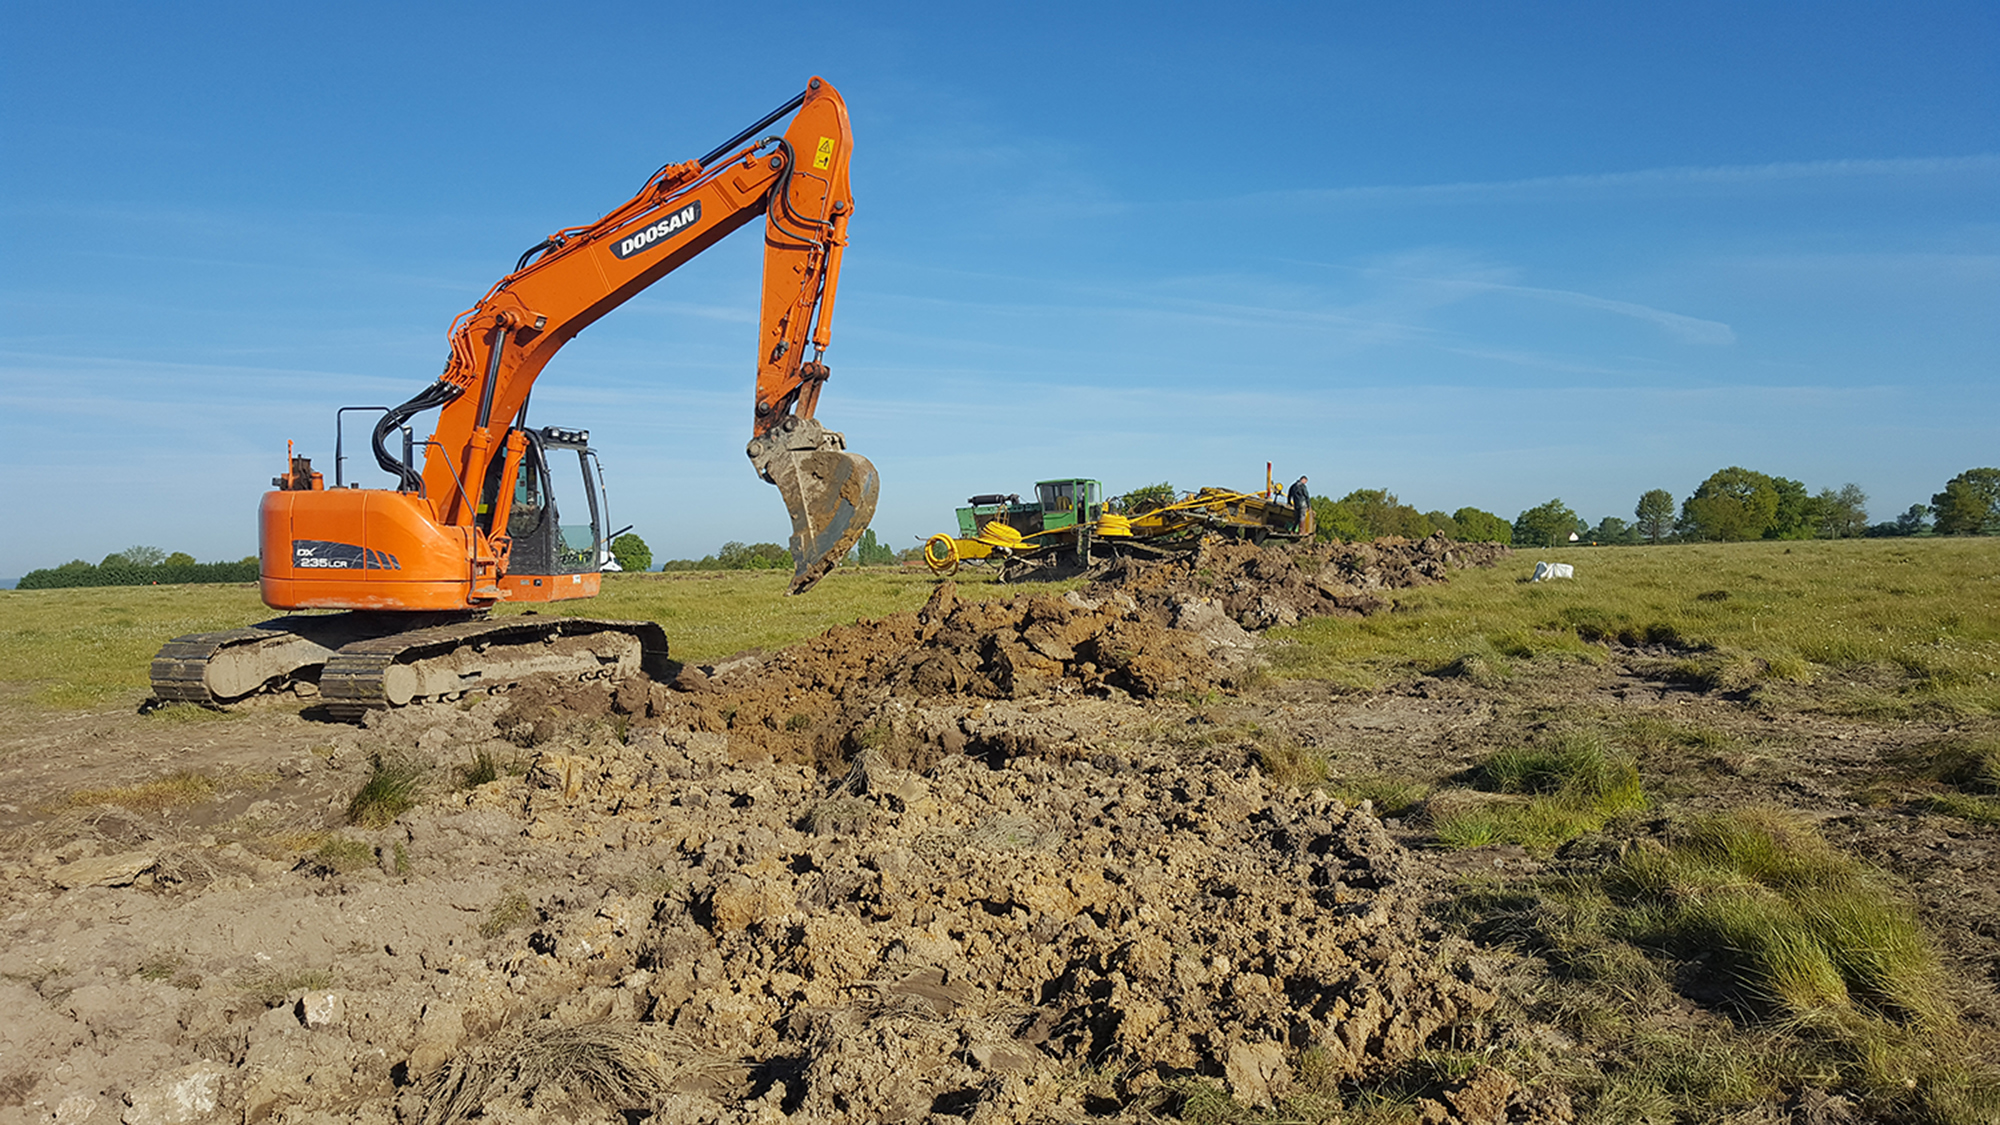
(993, 861)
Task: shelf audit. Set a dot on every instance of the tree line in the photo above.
(1737, 504)
(1733, 504)
(733, 555)
(139, 566)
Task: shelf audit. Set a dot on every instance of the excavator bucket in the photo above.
(829, 492)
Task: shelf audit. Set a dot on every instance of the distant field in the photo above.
(91, 647)
(1915, 622)
(712, 614)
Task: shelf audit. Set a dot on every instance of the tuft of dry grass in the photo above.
(512, 910)
(272, 986)
(338, 855)
(1292, 766)
(186, 787)
(619, 1066)
(839, 816)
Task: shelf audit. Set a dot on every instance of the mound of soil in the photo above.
(907, 686)
(899, 946)
(986, 860)
(1262, 586)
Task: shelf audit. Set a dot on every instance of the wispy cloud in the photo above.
(1692, 329)
(1418, 281)
(1982, 164)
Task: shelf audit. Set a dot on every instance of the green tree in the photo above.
(1334, 520)
(1969, 504)
(178, 558)
(872, 552)
(1655, 514)
(752, 556)
(1546, 525)
(1142, 500)
(136, 556)
(1916, 521)
(632, 553)
(1441, 522)
(1612, 532)
(1798, 514)
(1475, 526)
(1733, 504)
(1382, 514)
(1843, 514)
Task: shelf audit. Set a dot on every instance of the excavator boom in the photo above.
(798, 182)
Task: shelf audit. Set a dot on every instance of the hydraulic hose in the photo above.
(431, 397)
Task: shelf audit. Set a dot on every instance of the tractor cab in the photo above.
(1060, 516)
(1057, 504)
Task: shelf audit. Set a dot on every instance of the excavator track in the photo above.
(447, 661)
(181, 667)
(228, 666)
(358, 662)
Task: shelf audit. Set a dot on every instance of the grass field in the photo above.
(92, 647)
(1920, 616)
(1917, 619)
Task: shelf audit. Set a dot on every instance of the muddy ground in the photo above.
(991, 861)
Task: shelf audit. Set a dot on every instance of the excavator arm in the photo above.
(798, 182)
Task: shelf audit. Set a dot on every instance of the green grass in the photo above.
(1388, 796)
(391, 790)
(1918, 621)
(1921, 616)
(1970, 764)
(89, 648)
(338, 855)
(1572, 784)
(1957, 776)
(1803, 968)
(482, 768)
(1292, 766)
(1793, 925)
(710, 615)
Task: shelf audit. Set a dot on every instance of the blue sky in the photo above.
(1476, 254)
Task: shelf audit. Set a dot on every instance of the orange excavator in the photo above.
(417, 568)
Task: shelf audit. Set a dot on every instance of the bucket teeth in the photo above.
(829, 493)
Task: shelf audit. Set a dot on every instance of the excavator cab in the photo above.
(556, 523)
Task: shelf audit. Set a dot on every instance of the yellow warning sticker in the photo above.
(825, 156)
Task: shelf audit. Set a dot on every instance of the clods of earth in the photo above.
(998, 861)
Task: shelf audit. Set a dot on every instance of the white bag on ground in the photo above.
(1546, 570)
